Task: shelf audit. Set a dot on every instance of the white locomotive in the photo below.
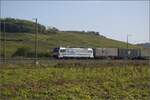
(63, 52)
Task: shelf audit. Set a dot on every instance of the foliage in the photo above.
(84, 32)
(52, 30)
(93, 32)
(26, 52)
(22, 51)
(17, 25)
(75, 83)
(31, 54)
(13, 25)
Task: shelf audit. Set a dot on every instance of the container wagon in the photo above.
(145, 53)
(106, 53)
(129, 53)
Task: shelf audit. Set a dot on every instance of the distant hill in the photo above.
(52, 37)
(145, 45)
(19, 25)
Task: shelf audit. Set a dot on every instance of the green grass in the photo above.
(75, 83)
(47, 42)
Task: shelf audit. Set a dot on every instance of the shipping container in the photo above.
(129, 53)
(145, 53)
(106, 52)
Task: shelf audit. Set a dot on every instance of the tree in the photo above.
(52, 30)
(18, 25)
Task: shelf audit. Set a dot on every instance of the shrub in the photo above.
(31, 54)
(52, 30)
(22, 51)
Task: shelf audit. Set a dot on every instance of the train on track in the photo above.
(101, 53)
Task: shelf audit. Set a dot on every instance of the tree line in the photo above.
(14, 25)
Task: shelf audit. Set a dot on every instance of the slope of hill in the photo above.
(145, 45)
(20, 38)
(19, 25)
(46, 42)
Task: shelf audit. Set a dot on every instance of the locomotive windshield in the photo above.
(56, 50)
(62, 50)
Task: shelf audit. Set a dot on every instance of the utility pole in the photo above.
(36, 42)
(4, 43)
(149, 36)
(127, 41)
(1, 41)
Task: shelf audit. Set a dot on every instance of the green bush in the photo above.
(21, 52)
(52, 30)
(26, 52)
(40, 54)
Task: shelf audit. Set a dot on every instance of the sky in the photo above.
(113, 19)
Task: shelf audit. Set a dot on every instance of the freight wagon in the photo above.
(129, 53)
(106, 53)
(145, 53)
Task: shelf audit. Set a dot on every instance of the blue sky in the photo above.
(114, 19)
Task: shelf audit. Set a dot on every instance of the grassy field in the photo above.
(74, 83)
(47, 42)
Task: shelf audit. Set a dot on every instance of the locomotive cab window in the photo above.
(55, 49)
(90, 51)
(62, 50)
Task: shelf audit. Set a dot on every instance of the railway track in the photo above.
(76, 62)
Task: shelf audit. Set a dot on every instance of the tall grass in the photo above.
(75, 83)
